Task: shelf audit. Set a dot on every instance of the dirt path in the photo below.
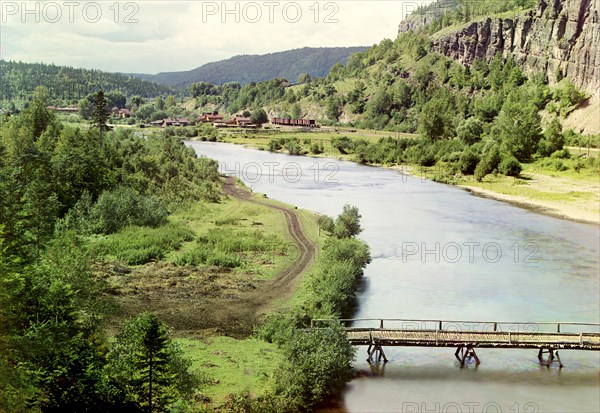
(306, 247)
(208, 301)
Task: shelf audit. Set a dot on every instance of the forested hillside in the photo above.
(243, 69)
(65, 84)
(82, 211)
(481, 118)
(443, 13)
(61, 187)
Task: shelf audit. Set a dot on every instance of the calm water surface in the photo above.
(441, 253)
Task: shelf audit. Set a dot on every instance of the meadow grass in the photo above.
(233, 366)
(136, 245)
(250, 238)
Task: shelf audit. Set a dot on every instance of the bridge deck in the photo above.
(548, 338)
(436, 338)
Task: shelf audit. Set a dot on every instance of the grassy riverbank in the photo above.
(283, 368)
(212, 284)
(566, 188)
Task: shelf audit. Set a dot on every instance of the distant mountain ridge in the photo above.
(258, 68)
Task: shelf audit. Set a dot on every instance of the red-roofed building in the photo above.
(210, 117)
(175, 122)
(242, 121)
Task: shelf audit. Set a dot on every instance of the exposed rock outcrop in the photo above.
(559, 37)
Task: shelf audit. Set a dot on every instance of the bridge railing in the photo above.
(459, 325)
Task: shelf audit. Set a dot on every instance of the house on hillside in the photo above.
(67, 109)
(121, 113)
(242, 121)
(208, 117)
(170, 122)
(175, 122)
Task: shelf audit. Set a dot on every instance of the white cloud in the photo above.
(181, 35)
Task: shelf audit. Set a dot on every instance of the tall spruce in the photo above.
(100, 113)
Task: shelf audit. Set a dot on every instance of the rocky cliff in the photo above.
(559, 37)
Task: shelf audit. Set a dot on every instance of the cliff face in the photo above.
(561, 37)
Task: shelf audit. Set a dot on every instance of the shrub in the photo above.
(468, 162)
(343, 144)
(568, 96)
(347, 223)
(274, 145)
(558, 165)
(326, 223)
(561, 154)
(223, 246)
(293, 147)
(544, 148)
(122, 207)
(426, 158)
(317, 366)
(488, 163)
(510, 166)
(469, 130)
(317, 148)
(138, 245)
(554, 136)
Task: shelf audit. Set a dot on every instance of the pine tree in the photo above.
(100, 113)
(146, 363)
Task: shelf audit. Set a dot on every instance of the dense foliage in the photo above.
(475, 120)
(66, 85)
(59, 184)
(443, 13)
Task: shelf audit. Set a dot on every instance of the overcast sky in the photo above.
(158, 36)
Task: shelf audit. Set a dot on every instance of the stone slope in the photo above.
(560, 38)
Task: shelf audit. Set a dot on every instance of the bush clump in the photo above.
(510, 166)
(123, 207)
(468, 162)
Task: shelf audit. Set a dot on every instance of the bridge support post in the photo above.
(552, 354)
(463, 353)
(375, 352)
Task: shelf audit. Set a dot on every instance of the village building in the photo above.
(67, 109)
(121, 113)
(242, 121)
(311, 123)
(170, 122)
(209, 117)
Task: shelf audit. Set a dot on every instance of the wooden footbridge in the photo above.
(466, 336)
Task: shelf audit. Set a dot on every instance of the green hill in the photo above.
(67, 84)
(258, 68)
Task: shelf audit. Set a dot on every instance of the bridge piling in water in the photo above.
(463, 353)
(466, 336)
(551, 355)
(376, 353)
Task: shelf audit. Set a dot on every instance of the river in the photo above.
(440, 252)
